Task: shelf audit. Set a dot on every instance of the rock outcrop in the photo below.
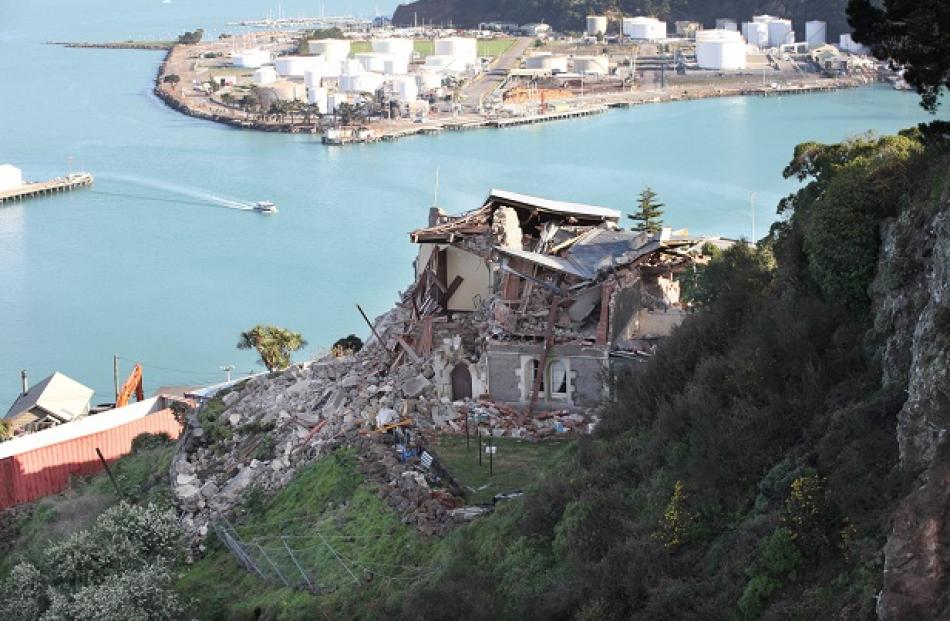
(912, 318)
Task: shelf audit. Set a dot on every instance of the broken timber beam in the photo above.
(548, 343)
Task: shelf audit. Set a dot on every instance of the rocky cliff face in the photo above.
(911, 296)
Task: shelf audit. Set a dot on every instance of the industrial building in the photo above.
(720, 50)
(644, 28)
(10, 177)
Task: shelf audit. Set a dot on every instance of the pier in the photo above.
(41, 188)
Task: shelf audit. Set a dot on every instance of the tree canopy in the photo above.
(274, 344)
(649, 213)
(914, 35)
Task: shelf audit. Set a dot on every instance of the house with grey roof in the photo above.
(54, 400)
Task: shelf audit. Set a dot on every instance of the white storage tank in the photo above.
(547, 61)
(373, 61)
(10, 177)
(724, 23)
(331, 49)
(644, 28)
(848, 44)
(264, 75)
(398, 48)
(318, 95)
(350, 66)
(462, 48)
(720, 49)
(396, 65)
(591, 65)
(335, 100)
(405, 88)
(315, 75)
(756, 33)
(365, 82)
(296, 66)
(816, 33)
(596, 25)
(780, 32)
(430, 80)
(289, 91)
(250, 59)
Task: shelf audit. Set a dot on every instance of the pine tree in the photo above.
(649, 213)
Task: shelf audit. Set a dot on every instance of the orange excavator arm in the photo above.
(132, 384)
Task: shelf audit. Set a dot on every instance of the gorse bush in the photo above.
(117, 569)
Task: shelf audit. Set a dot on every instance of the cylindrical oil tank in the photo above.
(264, 75)
(318, 71)
(816, 33)
(720, 49)
(756, 33)
(463, 48)
(430, 80)
(405, 88)
(644, 28)
(318, 95)
(399, 48)
(536, 61)
(396, 65)
(780, 32)
(373, 61)
(331, 49)
(596, 25)
(288, 91)
(250, 59)
(361, 83)
(591, 65)
(296, 66)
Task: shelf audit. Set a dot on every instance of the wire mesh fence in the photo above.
(317, 561)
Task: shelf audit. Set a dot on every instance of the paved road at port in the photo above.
(486, 83)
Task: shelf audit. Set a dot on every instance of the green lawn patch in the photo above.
(426, 47)
(352, 547)
(516, 464)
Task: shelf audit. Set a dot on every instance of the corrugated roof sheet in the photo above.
(552, 206)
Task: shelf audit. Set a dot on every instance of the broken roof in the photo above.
(57, 395)
(524, 201)
(477, 221)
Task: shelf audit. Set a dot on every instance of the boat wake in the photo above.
(181, 190)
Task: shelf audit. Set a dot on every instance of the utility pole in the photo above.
(115, 375)
(227, 369)
(752, 208)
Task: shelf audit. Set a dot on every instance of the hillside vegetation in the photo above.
(751, 469)
(569, 15)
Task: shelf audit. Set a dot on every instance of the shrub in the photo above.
(145, 594)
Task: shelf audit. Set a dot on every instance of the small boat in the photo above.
(265, 207)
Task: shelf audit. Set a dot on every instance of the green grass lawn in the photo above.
(327, 510)
(426, 47)
(516, 464)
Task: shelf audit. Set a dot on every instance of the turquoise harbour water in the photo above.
(146, 266)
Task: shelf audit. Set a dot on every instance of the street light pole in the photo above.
(752, 208)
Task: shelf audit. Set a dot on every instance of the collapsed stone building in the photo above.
(530, 302)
